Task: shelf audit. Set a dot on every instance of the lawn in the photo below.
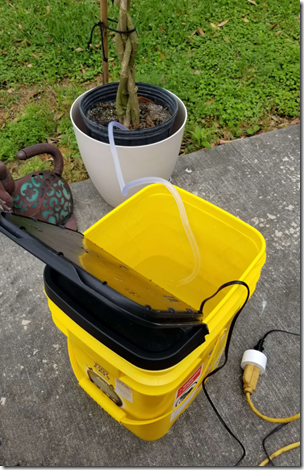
(235, 64)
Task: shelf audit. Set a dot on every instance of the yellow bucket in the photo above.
(146, 233)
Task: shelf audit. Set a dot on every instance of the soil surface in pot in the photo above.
(151, 114)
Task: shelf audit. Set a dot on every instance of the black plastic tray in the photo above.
(65, 250)
(142, 345)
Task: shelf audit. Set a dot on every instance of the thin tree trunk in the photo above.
(126, 44)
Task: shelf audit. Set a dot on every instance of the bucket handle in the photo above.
(117, 413)
(110, 407)
(101, 399)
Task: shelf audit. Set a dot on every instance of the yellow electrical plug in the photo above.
(250, 378)
(254, 363)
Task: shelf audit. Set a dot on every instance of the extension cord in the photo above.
(254, 364)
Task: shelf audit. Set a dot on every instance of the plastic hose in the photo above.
(151, 180)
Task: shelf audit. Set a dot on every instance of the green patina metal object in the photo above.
(44, 195)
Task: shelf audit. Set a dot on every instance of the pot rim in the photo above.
(123, 146)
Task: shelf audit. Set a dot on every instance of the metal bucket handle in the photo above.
(39, 149)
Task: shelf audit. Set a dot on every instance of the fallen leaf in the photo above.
(282, 125)
(226, 136)
(253, 3)
(183, 23)
(57, 116)
(52, 141)
(33, 94)
(10, 90)
(201, 31)
(24, 42)
(20, 27)
(79, 49)
(192, 34)
(162, 29)
(223, 23)
(29, 65)
(214, 26)
(162, 56)
(295, 121)
(48, 8)
(36, 56)
(211, 101)
(275, 118)
(278, 32)
(273, 26)
(222, 142)
(4, 52)
(163, 79)
(226, 39)
(197, 72)
(245, 20)
(149, 121)
(49, 39)
(143, 99)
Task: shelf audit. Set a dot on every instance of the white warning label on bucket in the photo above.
(184, 391)
(123, 390)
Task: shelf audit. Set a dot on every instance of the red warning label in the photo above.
(189, 382)
(186, 390)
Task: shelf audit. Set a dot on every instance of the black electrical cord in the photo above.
(101, 25)
(260, 347)
(227, 284)
(260, 343)
(268, 435)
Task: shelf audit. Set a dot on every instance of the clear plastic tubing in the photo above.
(150, 180)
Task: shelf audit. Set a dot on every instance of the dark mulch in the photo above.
(150, 114)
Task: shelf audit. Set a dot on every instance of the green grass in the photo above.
(35, 125)
(230, 79)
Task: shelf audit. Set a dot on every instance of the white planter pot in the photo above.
(136, 162)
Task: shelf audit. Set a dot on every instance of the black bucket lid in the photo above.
(119, 294)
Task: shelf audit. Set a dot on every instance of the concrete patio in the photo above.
(46, 419)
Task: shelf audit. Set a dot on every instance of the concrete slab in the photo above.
(46, 419)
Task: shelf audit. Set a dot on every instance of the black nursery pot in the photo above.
(107, 93)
